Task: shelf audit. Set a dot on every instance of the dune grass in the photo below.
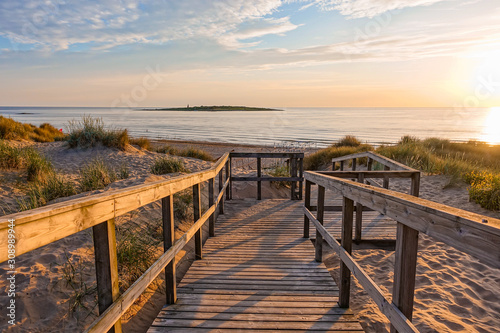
(345, 146)
(89, 132)
(475, 163)
(195, 153)
(164, 165)
(96, 175)
(278, 170)
(142, 142)
(14, 130)
(166, 149)
(39, 193)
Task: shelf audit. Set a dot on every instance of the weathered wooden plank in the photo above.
(259, 175)
(376, 157)
(211, 220)
(370, 174)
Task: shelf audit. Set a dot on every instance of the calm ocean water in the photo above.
(311, 127)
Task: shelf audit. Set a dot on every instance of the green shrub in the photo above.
(196, 153)
(41, 192)
(348, 141)
(279, 171)
(183, 205)
(485, 189)
(11, 157)
(166, 150)
(14, 130)
(164, 165)
(142, 142)
(96, 175)
(323, 157)
(89, 131)
(38, 167)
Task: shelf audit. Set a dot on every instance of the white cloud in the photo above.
(370, 8)
(58, 24)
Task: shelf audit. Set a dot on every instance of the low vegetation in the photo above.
(89, 132)
(167, 164)
(278, 171)
(475, 163)
(96, 175)
(142, 142)
(14, 130)
(39, 193)
(166, 149)
(195, 153)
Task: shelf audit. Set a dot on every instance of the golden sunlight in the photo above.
(491, 131)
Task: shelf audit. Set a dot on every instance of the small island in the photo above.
(213, 108)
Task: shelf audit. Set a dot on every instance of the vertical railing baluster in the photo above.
(346, 242)
(211, 219)
(167, 205)
(307, 204)
(259, 183)
(196, 215)
(320, 215)
(106, 264)
(301, 175)
(359, 213)
(221, 185)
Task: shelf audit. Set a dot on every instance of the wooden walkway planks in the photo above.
(257, 274)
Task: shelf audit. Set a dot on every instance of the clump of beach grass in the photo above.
(167, 164)
(166, 149)
(278, 170)
(196, 153)
(346, 146)
(142, 142)
(96, 175)
(14, 130)
(89, 132)
(39, 193)
(475, 163)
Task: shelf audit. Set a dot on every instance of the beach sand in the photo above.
(454, 292)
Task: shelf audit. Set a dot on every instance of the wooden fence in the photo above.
(42, 226)
(468, 232)
(296, 167)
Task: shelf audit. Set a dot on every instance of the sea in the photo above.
(297, 127)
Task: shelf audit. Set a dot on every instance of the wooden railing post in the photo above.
(333, 166)
(196, 215)
(221, 185)
(307, 204)
(369, 164)
(211, 219)
(229, 193)
(106, 264)
(359, 213)
(301, 175)
(259, 174)
(293, 173)
(415, 184)
(167, 205)
(405, 268)
(353, 164)
(386, 178)
(319, 216)
(346, 242)
(341, 165)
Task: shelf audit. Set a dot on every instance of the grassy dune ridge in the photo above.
(475, 163)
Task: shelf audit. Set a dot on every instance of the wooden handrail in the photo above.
(393, 165)
(472, 233)
(296, 172)
(41, 226)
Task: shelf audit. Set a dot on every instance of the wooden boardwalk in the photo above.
(257, 274)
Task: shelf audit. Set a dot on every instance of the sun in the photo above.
(491, 131)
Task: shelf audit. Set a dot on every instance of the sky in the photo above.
(317, 53)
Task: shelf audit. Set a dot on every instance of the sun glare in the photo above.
(491, 132)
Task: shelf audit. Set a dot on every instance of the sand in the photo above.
(454, 292)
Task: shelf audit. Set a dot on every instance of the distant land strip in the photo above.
(212, 108)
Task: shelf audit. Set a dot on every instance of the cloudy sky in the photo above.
(260, 53)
